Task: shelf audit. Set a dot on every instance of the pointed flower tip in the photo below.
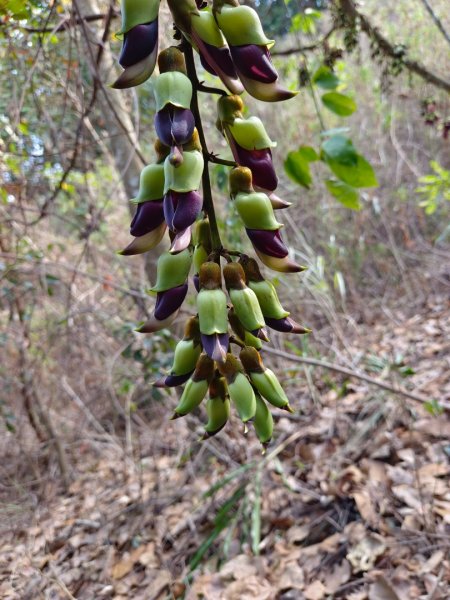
(289, 409)
(159, 383)
(174, 417)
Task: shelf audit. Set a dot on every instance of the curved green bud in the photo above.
(145, 242)
(138, 12)
(263, 421)
(268, 299)
(172, 270)
(247, 308)
(256, 210)
(202, 240)
(151, 184)
(212, 311)
(192, 396)
(187, 176)
(243, 397)
(268, 386)
(218, 411)
(250, 134)
(185, 357)
(182, 12)
(173, 88)
(205, 25)
(241, 26)
(242, 334)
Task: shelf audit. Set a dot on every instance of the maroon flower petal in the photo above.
(260, 163)
(254, 62)
(172, 380)
(181, 209)
(216, 346)
(174, 125)
(148, 216)
(268, 242)
(286, 325)
(169, 301)
(138, 43)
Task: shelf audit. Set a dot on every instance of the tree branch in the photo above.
(315, 362)
(69, 23)
(436, 20)
(348, 6)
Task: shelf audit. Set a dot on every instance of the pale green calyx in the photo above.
(185, 177)
(172, 87)
(172, 270)
(268, 299)
(256, 211)
(185, 357)
(247, 308)
(138, 12)
(251, 134)
(241, 26)
(212, 311)
(205, 25)
(151, 184)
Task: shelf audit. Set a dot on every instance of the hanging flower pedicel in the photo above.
(140, 42)
(232, 45)
(249, 49)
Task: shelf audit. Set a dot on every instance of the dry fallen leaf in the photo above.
(363, 556)
(315, 591)
(381, 589)
(339, 575)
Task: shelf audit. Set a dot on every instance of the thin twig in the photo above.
(436, 20)
(315, 362)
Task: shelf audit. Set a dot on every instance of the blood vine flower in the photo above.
(235, 303)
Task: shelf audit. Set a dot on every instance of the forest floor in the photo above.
(351, 500)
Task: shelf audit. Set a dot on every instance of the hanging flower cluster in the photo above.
(236, 306)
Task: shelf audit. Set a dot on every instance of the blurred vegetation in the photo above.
(364, 147)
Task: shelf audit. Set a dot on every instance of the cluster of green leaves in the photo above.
(434, 188)
(350, 170)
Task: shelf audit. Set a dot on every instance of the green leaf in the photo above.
(344, 193)
(433, 407)
(341, 150)
(297, 162)
(338, 103)
(325, 78)
(350, 167)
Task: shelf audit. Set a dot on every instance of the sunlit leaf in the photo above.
(338, 103)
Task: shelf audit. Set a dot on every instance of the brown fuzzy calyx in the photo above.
(251, 268)
(204, 369)
(241, 180)
(234, 276)
(171, 59)
(218, 388)
(192, 329)
(230, 108)
(251, 359)
(230, 368)
(210, 276)
(162, 151)
(193, 143)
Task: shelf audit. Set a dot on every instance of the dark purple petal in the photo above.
(218, 57)
(196, 280)
(286, 325)
(268, 242)
(254, 62)
(216, 346)
(206, 65)
(172, 380)
(174, 125)
(260, 164)
(169, 301)
(181, 209)
(261, 334)
(138, 43)
(148, 216)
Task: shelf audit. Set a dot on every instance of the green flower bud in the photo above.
(172, 270)
(217, 407)
(173, 88)
(268, 299)
(241, 25)
(196, 387)
(239, 388)
(263, 421)
(230, 108)
(241, 333)
(186, 177)
(203, 246)
(256, 211)
(244, 300)
(185, 357)
(138, 12)
(205, 25)
(250, 133)
(151, 184)
(212, 311)
(264, 380)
